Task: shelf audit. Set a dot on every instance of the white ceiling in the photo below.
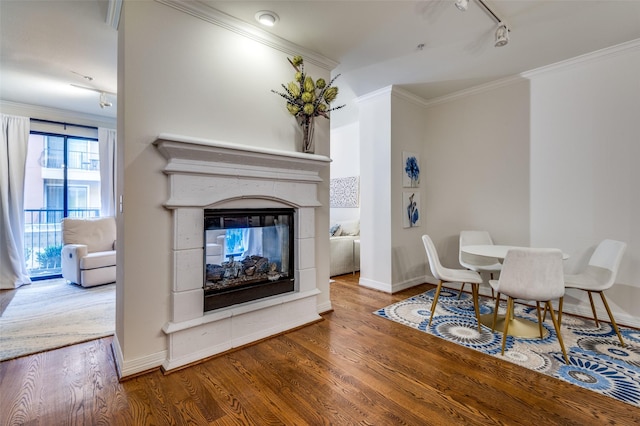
(48, 45)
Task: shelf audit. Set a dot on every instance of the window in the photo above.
(62, 179)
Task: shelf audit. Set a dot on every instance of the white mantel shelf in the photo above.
(196, 155)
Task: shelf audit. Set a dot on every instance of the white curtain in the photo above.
(107, 145)
(13, 157)
(252, 241)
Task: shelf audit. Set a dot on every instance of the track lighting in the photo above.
(502, 32)
(103, 101)
(462, 4)
(502, 35)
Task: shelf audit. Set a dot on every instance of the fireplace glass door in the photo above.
(248, 255)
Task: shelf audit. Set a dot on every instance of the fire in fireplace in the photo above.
(249, 255)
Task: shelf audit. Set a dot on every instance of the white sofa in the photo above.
(344, 250)
(88, 250)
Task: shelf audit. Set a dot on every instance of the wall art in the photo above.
(410, 170)
(344, 192)
(410, 209)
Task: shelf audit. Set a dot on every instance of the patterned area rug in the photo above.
(51, 314)
(598, 361)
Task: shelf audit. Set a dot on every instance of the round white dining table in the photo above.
(519, 327)
(492, 250)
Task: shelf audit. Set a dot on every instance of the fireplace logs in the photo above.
(233, 273)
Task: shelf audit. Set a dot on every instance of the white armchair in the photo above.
(88, 251)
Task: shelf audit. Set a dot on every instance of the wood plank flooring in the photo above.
(352, 368)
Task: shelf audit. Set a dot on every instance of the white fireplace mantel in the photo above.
(211, 174)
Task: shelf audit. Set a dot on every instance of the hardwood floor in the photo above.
(351, 368)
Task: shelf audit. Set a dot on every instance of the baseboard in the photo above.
(325, 307)
(585, 311)
(136, 366)
(375, 285)
(396, 287)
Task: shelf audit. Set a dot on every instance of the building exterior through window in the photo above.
(62, 179)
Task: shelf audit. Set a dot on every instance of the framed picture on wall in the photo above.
(344, 192)
(410, 170)
(410, 209)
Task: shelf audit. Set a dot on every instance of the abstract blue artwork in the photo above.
(411, 209)
(411, 170)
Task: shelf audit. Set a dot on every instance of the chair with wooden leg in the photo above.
(443, 274)
(599, 275)
(531, 274)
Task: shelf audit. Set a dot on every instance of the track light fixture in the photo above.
(462, 4)
(502, 35)
(104, 103)
(502, 32)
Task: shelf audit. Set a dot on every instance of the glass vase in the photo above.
(307, 126)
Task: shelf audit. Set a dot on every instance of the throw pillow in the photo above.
(350, 227)
(335, 230)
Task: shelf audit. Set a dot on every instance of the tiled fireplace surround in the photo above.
(210, 174)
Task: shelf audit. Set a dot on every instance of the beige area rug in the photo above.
(51, 314)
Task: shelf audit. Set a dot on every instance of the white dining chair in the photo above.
(599, 275)
(444, 274)
(473, 262)
(531, 274)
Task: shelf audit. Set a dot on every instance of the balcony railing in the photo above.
(78, 160)
(43, 239)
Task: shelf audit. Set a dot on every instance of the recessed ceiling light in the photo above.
(267, 18)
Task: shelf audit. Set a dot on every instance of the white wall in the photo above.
(546, 159)
(345, 156)
(474, 159)
(549, 160)
(476, 168)
(375, 191)
(585, 147)
(407, 135)
(391, 122)
(182, 75)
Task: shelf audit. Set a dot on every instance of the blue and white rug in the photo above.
(598, 361)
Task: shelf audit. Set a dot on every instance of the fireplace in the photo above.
(219, 188)
(248, 255)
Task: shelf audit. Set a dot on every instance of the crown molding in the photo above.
(482, 88)
(597, 55)
(113, 13)
(216, 17)
(408, 96)
(607, 52)
(373, 95)
(395, 91)
(53, 114)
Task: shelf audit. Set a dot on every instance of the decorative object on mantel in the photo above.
(307, 99)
